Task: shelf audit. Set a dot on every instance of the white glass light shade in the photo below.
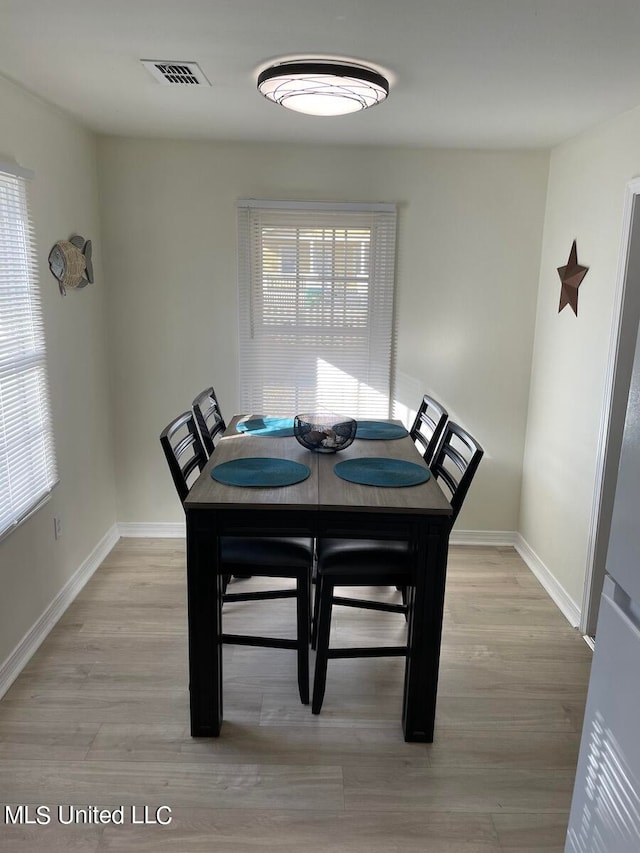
(322, 88)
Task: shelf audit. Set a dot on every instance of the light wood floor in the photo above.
(100, 718)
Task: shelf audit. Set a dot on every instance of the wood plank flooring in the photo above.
(99, 718)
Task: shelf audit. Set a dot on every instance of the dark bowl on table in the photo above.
(324, 433)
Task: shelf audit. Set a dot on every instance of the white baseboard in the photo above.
(168, 530)
(558, 594)
(483, 537)
(152, 530)
(556, 591)
(28, 645)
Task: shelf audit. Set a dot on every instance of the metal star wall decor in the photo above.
(571, 277)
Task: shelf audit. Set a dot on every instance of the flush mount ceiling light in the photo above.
(323, 88)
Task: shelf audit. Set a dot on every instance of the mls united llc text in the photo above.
(30, 815)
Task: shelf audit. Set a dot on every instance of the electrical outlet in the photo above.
(57, 526)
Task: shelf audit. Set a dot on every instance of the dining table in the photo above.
(320, 505)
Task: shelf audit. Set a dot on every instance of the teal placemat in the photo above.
(260, 471)
(380, 430)
(379, 471)
(274, 427)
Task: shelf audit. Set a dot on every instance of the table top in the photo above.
(323, 489)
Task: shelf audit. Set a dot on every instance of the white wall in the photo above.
(470, 230)
(33, 566)
(587, 182)
(470, 227)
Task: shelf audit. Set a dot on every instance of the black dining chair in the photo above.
(428, 426)
(211, 426)
(206, 410)
(371, 562)
(262, 556)
(425, 432)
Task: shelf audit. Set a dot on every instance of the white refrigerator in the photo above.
(605, 810)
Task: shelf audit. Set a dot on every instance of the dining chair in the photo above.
(211, 426)
(372, 562)
(289, 557)
(206, 410)
(428, 426)
(425, 432)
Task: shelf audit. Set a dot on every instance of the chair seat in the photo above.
(340, 557)
(261, 551)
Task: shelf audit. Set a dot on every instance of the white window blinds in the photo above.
(316, 285)
(27, 457)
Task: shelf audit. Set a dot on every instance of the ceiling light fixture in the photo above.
(322, 88)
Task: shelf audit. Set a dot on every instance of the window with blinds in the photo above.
(316, 284)
(27, 456)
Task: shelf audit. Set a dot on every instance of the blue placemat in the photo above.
(274, 427)
(380, 430)
(379, 471)
(260, 471)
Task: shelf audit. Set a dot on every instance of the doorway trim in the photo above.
(624, 326)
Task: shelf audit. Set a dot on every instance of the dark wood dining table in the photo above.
(323, 505)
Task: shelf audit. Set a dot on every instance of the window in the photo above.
(27, 457)
(316, 287)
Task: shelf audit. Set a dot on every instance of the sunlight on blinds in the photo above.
(316, 308)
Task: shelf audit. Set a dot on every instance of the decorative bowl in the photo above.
(324, 433)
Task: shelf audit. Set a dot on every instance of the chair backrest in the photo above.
(455, 463)
(427, 427)
(209, 418)
(184, 451)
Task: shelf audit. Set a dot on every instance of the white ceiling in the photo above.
(464, 73)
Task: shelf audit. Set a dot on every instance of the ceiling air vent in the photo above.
(176, 73)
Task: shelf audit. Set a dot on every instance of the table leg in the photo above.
(204, 592)
(426, 605)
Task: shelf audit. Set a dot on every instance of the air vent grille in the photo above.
(171, 73)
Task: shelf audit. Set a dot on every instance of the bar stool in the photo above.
(425, 432)
(370, 562)
(261, 556)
